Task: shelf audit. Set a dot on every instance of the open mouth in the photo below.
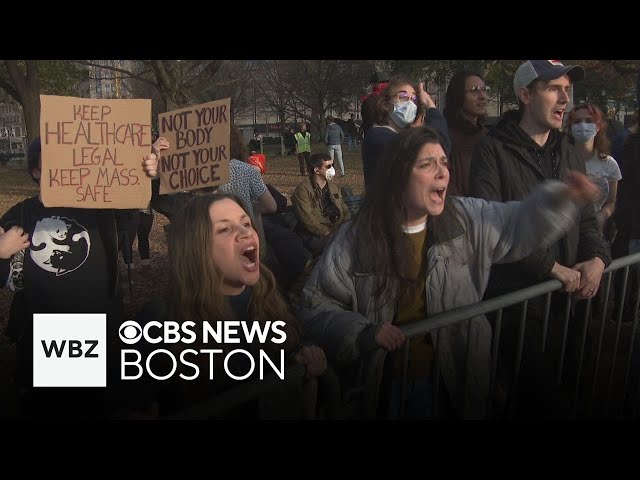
(251, 255)
(558, 114)
(437, 196)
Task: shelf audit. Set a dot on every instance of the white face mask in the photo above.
(329, 174)
(583, 132)
(404, 113)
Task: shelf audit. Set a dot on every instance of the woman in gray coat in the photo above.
(409, 255)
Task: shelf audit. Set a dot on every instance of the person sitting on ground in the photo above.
(318, 205)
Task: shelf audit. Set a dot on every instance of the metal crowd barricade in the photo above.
(613, 373)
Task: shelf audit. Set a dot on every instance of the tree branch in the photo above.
(128, 73)
(206, 75)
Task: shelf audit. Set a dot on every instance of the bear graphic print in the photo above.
(59, 245)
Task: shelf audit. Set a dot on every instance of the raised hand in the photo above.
(150, 161)
(425, 98)
(150, 165)
(160, 144)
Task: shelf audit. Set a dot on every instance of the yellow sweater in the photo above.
(412, 306)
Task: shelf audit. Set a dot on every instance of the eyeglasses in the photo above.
(406, 97)
(476, 89)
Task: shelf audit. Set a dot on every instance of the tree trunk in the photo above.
(27, 85)
(31, 110)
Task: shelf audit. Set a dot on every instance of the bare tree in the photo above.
(271, 80)
(326, 86)
(310, 89)
(232, 80)
(175, 80)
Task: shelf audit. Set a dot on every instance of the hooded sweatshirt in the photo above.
(507, 165)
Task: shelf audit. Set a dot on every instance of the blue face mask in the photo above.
(583, 132)
(404, 113)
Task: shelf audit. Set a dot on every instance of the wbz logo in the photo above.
(69, 350)
(74, 350)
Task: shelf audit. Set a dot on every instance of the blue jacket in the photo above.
(333, 135)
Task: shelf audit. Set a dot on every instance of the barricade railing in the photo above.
(613, 370)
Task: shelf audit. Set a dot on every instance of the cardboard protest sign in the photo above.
(92, 152)
(199, 153)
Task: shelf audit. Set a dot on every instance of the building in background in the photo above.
(104, 82)
(13, 133)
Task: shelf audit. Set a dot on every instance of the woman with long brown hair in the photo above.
(213, 258)
(215, 274)
(413, 252)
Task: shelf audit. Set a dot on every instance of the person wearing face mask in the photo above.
(588, 129)
(318, 204)
(401, 105)
(587, 126)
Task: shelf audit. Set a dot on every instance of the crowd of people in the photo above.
(453, 213)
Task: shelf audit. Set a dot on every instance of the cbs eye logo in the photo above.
(130, 332)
